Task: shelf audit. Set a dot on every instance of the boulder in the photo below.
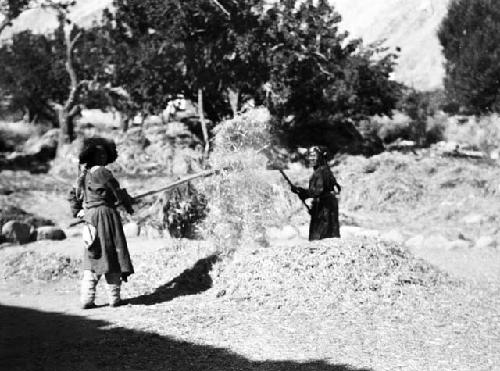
(458, 245)
(304, 231)
(50, 233)
(394, 236)
(14, 231)
(285, 233)
(131, 229)
(152, 232)
(415, 242)
(436, 241)
(473, 219)
(485, 242)
(43, 147)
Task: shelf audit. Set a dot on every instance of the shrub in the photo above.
(480, 133)
(183, 209)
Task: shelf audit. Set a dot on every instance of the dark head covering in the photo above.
(321, 152)
(91, 145)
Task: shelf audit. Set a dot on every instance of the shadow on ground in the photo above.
(190, 282)
(34, 340)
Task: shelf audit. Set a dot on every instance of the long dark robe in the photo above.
(324, 209)
(111, 254)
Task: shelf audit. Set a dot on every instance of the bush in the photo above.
(480, 133)
(183, 209)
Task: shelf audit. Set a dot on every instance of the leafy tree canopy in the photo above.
(35, 76)
(470, 36)
(289, 55)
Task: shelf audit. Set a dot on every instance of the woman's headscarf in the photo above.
(321, 153)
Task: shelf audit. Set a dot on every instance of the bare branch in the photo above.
(226, 12)
(324, 71)
(5, 23)
(74, 41)
(75, 111)
(75, 86)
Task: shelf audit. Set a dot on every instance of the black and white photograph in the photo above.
(250, 185)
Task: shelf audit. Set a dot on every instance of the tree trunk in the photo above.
(233, 100)
(66, 125)
(124, 122)
(203, 126)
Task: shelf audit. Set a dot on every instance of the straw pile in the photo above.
(327, 273)
(29, 266)
(244, 199)
(395, 181)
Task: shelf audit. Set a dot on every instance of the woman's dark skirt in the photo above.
(324, 218)
(110, 254)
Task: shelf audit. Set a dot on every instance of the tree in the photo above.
(28, 75)
(53, 77)
(181, 47)
(321, 82)
(11, 9)
(163, 48)
(470, 37)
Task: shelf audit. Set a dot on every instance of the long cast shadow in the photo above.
(33, 340)
(190, 282)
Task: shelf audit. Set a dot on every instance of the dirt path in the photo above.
(42, 327)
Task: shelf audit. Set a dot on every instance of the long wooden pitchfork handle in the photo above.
(292, 186)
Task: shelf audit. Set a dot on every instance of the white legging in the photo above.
(89, 284)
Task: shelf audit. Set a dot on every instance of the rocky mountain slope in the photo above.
(408, 24)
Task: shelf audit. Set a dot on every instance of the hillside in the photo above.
(409, 24)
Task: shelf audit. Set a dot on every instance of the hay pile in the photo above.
(30, 266)
(245, 198)
(379, 183)
(394, 181)
(326, 274)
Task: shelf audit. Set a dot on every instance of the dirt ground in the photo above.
(167, 326)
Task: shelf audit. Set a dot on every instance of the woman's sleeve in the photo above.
(316, 186)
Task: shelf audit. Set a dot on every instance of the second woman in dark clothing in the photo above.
(324, 209)
(100, 194)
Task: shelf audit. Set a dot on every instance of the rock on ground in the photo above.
(484, 242)
(15, 231)
(50, 233)
(131, 229)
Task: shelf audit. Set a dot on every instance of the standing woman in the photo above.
(324, 210)
(99, 193)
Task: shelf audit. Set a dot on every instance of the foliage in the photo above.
(163, 48)
(420, 107)
(320, 79)
(183, 209)
(35, 75)
(288, 55)
(470, 36)
(29, 74)
(480, 133)
(10, 10)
